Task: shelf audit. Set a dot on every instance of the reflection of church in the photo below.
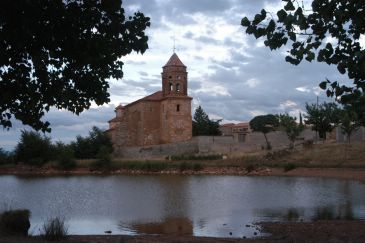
(162, 117)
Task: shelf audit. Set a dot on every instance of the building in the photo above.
(162, 117)
(238, 131)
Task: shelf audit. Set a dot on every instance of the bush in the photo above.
(250, 168)
(15, 222)
(144, 165)
(197, 157)
(197, 166)
(89, 147)
(289, 166)
(185, 166)
(54, 229)
(33, 148)
(104, 160)
(6, 157)
(65, 156)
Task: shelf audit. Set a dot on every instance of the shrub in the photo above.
(54, 229)
(185, 166)
(197, 157)
(144, 165)
(289, 166)
(6, 157)
(250, 168)
(33, 148)
(197, 166)
(104, 160)
(15, 222)
(89, 147)
(65, 156)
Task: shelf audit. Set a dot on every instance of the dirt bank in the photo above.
(340, 173)
(319, 231)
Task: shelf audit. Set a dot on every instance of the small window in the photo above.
(178, 108)
(177, 87)
(171, 87)
(178, 77)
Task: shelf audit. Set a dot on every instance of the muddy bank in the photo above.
(340, 173)
(319, 231)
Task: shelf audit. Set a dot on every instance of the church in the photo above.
(159, 118)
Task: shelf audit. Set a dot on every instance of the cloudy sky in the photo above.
(232, 75)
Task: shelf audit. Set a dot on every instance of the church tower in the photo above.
(174, 78)
(176, 121)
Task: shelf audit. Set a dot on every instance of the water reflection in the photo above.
(170, 226)
(328, 212)
(220, 206)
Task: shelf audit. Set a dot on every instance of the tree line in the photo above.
(36, 149)
(322, 118)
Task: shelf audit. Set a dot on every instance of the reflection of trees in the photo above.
(343, 211)
(170, 226)
(330, 212)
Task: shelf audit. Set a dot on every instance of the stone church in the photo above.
(159, 118)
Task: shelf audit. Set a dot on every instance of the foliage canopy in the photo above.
(264, 124)
(290, 126)
(323, 117)
(203, 126)
(59, 53)
(328, 32)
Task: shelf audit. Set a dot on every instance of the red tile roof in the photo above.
(157, 96)
(174, 61)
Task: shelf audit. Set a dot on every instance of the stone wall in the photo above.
(358, 135)
(204, 145)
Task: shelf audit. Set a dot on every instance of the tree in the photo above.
(88, 147)
(290, 126)
(308, 31)
(203, 126)
(33, 148)
(60, 53)
(323, 117)
(349, 123)
(264, 124)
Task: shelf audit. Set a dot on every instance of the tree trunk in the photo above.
(268, 146)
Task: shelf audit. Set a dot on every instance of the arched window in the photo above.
(171, 86)
(177, 87)
(177, 108)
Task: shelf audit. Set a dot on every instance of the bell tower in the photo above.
(174, 78)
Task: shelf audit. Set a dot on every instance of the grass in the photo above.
(197, 157)
(54, 229)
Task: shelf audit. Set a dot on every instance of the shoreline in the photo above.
(317, 231)
(335, 173)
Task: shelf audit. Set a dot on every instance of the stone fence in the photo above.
(205, 145)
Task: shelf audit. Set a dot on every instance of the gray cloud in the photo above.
(252, 78)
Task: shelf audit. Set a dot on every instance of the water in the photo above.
(219, 206)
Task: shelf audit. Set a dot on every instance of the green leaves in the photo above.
(74, 47)
(289, 6)
(202, 125)
(245, 22)
(282, 15)
(342, 21)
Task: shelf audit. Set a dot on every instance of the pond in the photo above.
(218, 206)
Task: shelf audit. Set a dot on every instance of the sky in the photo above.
(232, 75)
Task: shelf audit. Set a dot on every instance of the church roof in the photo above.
(174, 61)
(153, 97)
(157, 96)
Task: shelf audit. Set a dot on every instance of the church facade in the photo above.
(159, 118)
